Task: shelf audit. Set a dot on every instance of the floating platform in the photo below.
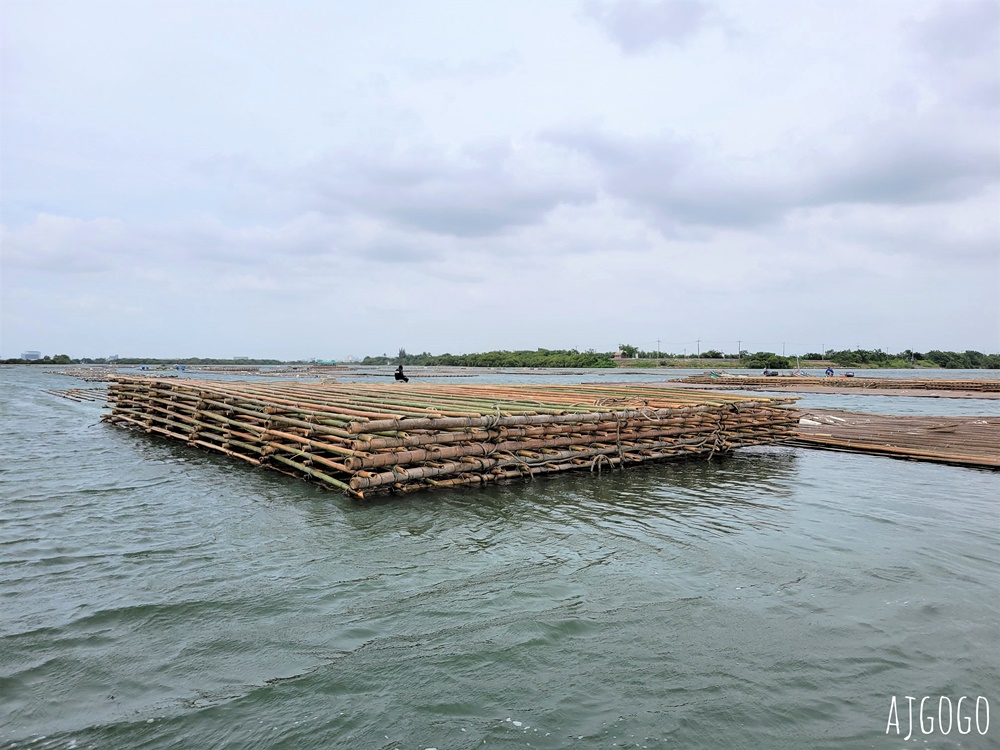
(964, 441)
(81, 394)
(90, 374)
(791, 382)
(369, 439)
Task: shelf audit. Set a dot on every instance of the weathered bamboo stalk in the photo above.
(535, 460)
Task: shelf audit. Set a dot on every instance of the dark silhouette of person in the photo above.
(400, 376)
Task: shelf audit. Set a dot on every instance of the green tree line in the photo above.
(967, 360)
(521, 358)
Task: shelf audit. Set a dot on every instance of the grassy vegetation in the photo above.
(967, 360)
(522, 358)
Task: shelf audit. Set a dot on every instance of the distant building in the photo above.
(31, 355)
(112, 358)
(240, 359)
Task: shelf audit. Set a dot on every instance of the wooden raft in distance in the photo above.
(964, 441)
(868, 383)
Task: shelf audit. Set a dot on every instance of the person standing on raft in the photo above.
(400, 376)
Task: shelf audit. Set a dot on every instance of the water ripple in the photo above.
(157, 597)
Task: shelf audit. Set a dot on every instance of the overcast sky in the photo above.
(318, 179)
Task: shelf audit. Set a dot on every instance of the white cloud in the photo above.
(637, 25)
(311, 180)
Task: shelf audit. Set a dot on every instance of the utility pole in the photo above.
(657, 348)
(739, 352)
(699, 347)
(782, 348)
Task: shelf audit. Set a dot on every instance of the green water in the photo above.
(152, 596)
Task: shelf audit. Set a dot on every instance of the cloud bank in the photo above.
(312, 181)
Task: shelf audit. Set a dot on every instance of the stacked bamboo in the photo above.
(367, 439)
(788, 381)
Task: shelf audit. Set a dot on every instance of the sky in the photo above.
(218, 178)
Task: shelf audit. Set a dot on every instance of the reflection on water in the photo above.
(755, 478)
(913, 405)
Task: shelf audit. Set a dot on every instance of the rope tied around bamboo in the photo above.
(596, 462)
(493, 420)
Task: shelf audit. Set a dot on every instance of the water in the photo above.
(152, 596)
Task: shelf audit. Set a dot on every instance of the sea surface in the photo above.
(156, 596)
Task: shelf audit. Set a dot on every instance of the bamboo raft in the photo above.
(786, 381)
(101, 374)
(81, 394)
(90, 374)
(964, 441)
(415, 374)
(370, 439)
(238, 369)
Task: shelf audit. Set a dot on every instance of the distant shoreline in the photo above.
(525, 360)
